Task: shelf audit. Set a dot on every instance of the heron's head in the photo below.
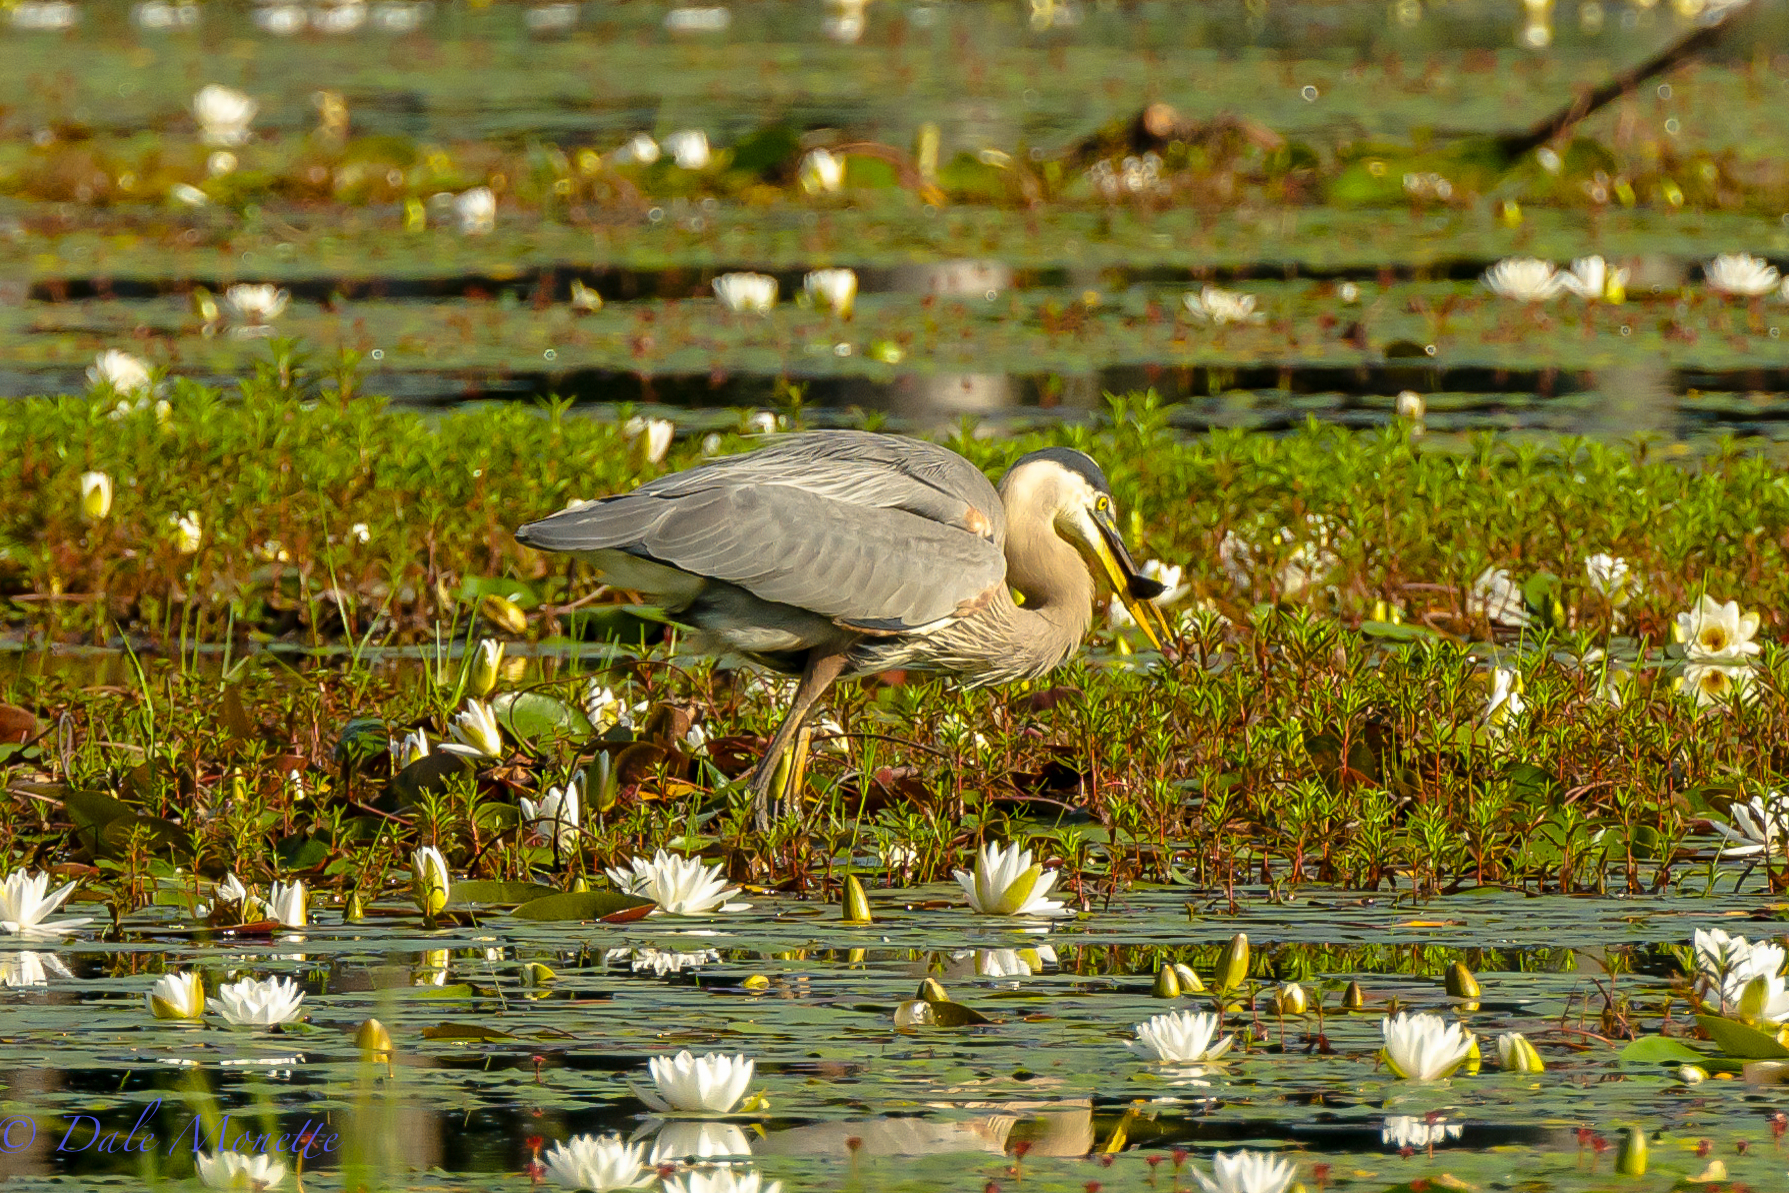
(1068, 490)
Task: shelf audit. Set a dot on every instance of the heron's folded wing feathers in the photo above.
(858, 468)
(872, 567)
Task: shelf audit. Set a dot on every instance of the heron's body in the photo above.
(841, 553)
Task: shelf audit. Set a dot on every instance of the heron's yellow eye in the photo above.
(1103, 505)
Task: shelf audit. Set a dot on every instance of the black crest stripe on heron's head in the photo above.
(1077, 462)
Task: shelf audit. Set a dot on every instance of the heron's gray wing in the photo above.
(876, 568)
(859, 468)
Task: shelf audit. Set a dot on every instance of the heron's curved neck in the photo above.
(1054, 580)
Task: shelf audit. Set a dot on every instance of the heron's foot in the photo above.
(763, 787)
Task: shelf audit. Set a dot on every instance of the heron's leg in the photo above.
(823, 666)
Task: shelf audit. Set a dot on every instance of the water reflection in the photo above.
(31, 969)
(695, 1140)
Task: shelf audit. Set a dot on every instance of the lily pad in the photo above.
(608, 906)
(535, 717)
(1737, 1040)
(489, 893)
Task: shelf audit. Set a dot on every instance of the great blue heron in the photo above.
(835, 554)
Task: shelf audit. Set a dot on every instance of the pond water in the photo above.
(1045, 1094)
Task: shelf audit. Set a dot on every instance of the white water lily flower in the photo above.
(1741, 275)
(1216, 305)
(689, 149)
(1760, 826)
(1412, 406)
(640, 148)
(762, 422)
(126, 374)
(223, 114)
(679, 885)
(1717, 633)
(722, 1180)
(1612, 578)
(30, 969)
(1007, 882)
(598, 1164)
(1247, 1172)
(188, 534)
(176, 996)
(1499, 598)
(267, 1003)
(1407, 1131)
(1181, 1036)
(476, 210)
(288, 904)
(231, 890)
(23, 905)
(754, 292)
(1525, 279)
(96, 495)
(235, 1170)
(1591, 279)
(832, 290)
(476, 733)
(1726, 964)
(1504, 705)
(1420, 1047)
(554, 820)
(822, 172)
(605, 709)
(655, 433)
(1715, 684)
(255, 305)
(407, 749)
(686, 1084)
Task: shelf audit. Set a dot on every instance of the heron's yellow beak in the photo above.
(1128, 584)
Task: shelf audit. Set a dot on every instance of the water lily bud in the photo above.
(1459, 981)
(178, 996)
(1189, 981)
(536, 974)
(931, 990)
(429, 880)
(353, 912)
(1475, 1059)
(756, 982)
(1167, 983)
(1692, 1074)
(580, 885)
(1517, 1055)
(485, 666)
(504, 612)
(373, 1040)
(1354, 998)
(96, 495)
(1291, 999)
(857, 902)
(1630, 1158)
(1233, 963)
(601, 783)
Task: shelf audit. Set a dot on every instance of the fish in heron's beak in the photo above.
(1136, 590)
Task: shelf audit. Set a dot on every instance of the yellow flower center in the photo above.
(1714, 639)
